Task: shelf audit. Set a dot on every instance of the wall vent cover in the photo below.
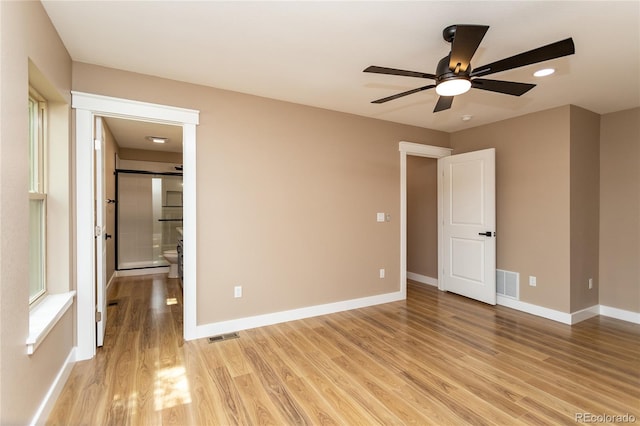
(508, 283)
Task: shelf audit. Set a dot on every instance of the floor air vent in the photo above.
(222, 337)
(507, 283)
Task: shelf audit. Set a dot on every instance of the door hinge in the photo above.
(98, 316)
(98, 231)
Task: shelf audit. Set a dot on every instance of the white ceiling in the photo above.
(313, 53)
(134, 134)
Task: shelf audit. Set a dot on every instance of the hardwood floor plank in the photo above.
(434, 359)
(538, 413)
(407, 367)
(68, 400)
(362, 397)
(319, 411)
(534, 396)
(276, 390)
(204, 402)
(143, 391)
(391, 398)
(233, 405)
(235, 360)
(338, 400)
(258, 405)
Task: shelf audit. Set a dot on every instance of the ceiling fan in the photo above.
(454, 75)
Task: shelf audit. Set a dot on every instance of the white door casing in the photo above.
(419, 150)
(100, 233)
(87, 106)
(469, 224)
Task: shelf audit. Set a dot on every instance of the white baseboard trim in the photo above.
(585, 314)
(113, 277)
(52, 395)
(620, 314)
(572, 318)
(141, 271)
(536, 310)
(422, 279)
(213, 329)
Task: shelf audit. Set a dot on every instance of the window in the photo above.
(37, 196)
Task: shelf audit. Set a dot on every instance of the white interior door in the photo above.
(469, 224)
(100, 233)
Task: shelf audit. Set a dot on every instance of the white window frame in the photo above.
(38, 189)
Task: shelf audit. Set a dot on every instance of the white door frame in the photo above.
(100, 241)
(419, 150)
(88, 106)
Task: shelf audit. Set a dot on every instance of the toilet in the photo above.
(172, 257)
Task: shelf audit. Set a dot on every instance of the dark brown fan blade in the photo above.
(394, 71)
(544, 53)
(399, 95)
(444, 102)
(506, 87)
(465, 43)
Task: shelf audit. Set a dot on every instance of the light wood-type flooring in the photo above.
(435, 358)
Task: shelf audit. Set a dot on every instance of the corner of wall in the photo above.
(619, 270)
(584, 207)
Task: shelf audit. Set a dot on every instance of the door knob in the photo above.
(107, 236)
(486, 234)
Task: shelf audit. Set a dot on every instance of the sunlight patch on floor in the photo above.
(171, 388)
(126, 403)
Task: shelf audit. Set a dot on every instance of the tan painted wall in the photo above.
(287, 196)
(422, 216)
(532, 199)
(148, 155)
(585, 201)
(26, 33)
(620, 210)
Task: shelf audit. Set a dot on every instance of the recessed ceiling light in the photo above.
(157, 139)
(544, 72)
(466, 117)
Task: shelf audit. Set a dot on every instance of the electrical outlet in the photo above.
(237, 291)
(532, 281)
(590, 283)
(380, 217)
(382, 273)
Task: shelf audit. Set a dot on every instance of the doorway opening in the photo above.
(422, 220)
(466, 220)
(88, 107)
(427, 151)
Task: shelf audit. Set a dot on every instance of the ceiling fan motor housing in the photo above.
(444, 73)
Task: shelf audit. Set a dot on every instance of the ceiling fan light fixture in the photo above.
(453, 87)
(544, 72)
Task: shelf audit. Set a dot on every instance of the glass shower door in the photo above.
(149, 211)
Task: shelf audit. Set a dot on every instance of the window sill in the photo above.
(44, 317)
